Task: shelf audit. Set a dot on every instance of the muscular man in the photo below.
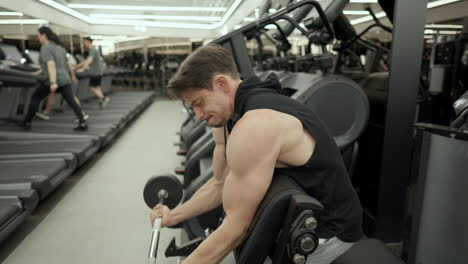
(259, 133)
(93, 61)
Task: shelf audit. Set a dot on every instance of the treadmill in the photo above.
(15, 206)
(32, 161)
(41, 174)
(24, 144)
(106, 132)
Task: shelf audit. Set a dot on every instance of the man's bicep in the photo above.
(252, 152)
(219, 163)
(242, 194)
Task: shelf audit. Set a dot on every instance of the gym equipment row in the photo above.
(34, 163)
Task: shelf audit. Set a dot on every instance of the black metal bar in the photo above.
(235, 41)
(236, 44)
(268, 37)
(274, 17)
(359, 37)
(297, 17)
(259, 51)
(374, 17)
(285, 45)
(407, 46)
(295, 25)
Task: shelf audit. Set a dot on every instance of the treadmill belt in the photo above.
(44, 146)
(41, 175)
(83, 149)
(9, 207)
(37, 170)
(15, 206)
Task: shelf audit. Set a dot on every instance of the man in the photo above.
(259, 133)
(93, 61)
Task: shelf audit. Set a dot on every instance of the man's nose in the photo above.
(198, 113)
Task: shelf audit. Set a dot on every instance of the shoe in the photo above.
(25, 125)
(85, 117)
(42, 116)
(81, 127)
(104, 102)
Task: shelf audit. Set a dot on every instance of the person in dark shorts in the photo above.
(93, 61)
(54, 64)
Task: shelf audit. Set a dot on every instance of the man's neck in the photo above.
(236, 85)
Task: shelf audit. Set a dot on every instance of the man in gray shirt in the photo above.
(93, 61)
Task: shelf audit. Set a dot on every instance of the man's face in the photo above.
(214, 106)
(87, 44)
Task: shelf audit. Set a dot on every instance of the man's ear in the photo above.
(221, 82)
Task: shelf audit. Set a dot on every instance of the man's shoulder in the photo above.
(264, 116)
(259, 121)
(94, 51)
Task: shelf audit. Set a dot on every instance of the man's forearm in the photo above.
(219, 244)
(86, 62)
(208, 197)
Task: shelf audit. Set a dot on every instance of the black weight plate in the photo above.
(168, 182)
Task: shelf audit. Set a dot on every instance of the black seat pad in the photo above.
(267, 222)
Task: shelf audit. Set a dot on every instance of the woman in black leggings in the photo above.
(54, 65)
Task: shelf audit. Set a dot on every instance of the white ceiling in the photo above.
(166, 23)
(155, 10)
(151, 21)
(158, 21)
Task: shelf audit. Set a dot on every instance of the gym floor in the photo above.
(98, 215)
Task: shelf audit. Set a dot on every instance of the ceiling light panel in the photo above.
(67, 10)
(156, 17)
(11, 14)
(440, 3)
(149, 8)
(444, 26)
(363, 1)
(23, 21)
(116, 22)
(355, 12)
(382, 14)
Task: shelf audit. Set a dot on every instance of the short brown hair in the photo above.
(198, 69)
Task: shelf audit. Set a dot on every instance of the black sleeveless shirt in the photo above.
(324, 176)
